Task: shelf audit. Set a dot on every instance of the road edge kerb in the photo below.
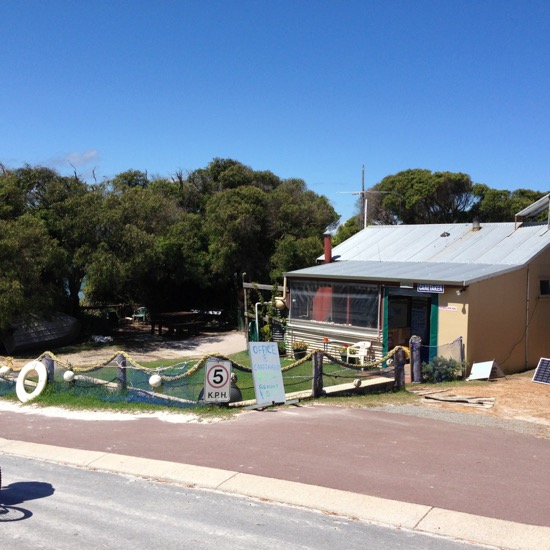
(415, 517)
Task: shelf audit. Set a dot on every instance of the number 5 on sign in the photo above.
(217, 381)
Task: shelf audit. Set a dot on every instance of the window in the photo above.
(545, 287)
(337, 303)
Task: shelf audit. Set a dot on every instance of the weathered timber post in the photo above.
(317, 388)
(399, 383)
(121, 374)
(416, 363)
(50, 367)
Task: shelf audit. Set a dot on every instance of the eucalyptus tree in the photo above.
(298, 218)
(236, 222)
(346, 230)
(130, 178)
(420, 196)
(127, 263)
(294, 253)
(60, 211)
(31, 277)
(75, 224)
(500, 205)
(258, 223)
(163, 242)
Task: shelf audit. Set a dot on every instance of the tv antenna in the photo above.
(363, 196)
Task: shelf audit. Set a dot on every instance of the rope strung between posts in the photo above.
(67, 365)
(370, 364)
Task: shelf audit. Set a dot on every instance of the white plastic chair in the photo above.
(362, 350)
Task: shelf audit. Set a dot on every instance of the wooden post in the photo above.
(416, 363)
(399, 383)
(317, 388)
(121, 374)
(50, 367)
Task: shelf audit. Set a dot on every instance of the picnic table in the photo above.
(177, 322)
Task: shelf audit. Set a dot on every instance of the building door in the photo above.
(408, 313)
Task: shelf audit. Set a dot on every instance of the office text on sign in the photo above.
(266, 372)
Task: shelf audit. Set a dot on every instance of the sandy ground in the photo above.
(516, 397)
(142, 346)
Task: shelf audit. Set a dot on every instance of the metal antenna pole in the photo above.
(362, 213)
(363, 199)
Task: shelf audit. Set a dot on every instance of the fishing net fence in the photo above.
(122, 379)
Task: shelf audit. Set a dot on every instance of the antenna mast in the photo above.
(363, 213)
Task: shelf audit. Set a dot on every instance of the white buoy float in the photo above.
(68, 376)
(155, 381)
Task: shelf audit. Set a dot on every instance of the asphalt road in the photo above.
(472, 483)
(52, 506)
(487, 472)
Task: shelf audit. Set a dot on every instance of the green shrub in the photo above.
(441, 369)
(266, 334)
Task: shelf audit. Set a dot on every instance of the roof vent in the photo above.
(476, 226)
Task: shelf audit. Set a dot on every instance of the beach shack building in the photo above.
(474, 291)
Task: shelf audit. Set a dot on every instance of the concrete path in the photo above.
(477, 484)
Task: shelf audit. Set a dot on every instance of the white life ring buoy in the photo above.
(20, 389)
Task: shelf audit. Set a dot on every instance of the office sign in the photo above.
(267, 374)
(439, 289)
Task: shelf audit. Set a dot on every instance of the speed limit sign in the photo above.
(217, 381)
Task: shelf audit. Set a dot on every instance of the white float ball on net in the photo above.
(155, 381)
(68, 376)
(357, 382)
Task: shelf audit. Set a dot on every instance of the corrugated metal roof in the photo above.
(444, 253)
(419, 272)
(494, 243)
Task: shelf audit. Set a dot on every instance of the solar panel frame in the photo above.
(542, 372)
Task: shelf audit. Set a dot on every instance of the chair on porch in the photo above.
(360, 350)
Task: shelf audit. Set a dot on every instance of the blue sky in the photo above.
(306, 89)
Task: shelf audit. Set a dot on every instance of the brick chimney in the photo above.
(328, 248)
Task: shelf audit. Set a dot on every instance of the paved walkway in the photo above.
(478, 484)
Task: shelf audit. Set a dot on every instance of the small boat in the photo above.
(56, 330)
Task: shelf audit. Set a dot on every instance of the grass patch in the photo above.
(62, 395)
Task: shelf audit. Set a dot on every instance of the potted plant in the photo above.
(343, 351)
(344, 354)
(299, 348)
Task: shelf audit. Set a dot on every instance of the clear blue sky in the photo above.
(306, 89)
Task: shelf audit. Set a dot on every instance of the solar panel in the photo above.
(487, 370)
(542, 372)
